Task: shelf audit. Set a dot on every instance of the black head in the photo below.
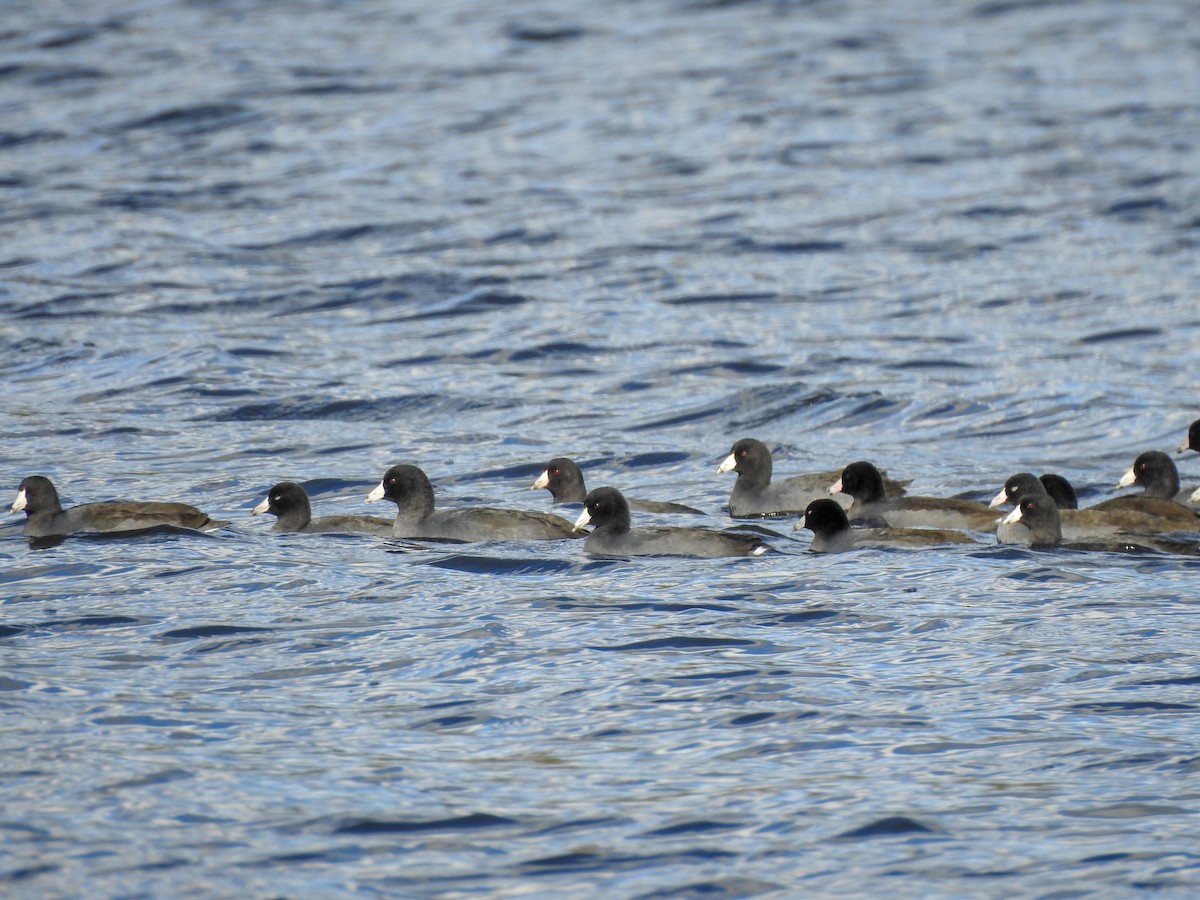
(862, 481)
(824, 518)
(750, 458)
(286, 497)
(1039, 514)
(1060, 490)
(1021, 484)
(1156, 472)
(1192, 442)
(287, 501)
(404, 485)
(607, 508)
(39, 495)
(564, 479)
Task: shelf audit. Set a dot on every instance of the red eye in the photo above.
(556, 472)
(743, 453)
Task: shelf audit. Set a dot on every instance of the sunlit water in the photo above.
(249, 242)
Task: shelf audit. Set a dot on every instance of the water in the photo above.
(247, 242)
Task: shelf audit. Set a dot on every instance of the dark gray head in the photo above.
(563, 479)
(1154, 471)
(1060, 490)
(862, 481)
(824, 518)
(1018, 486)
(36, 494)
(289, 503)
(1192, 441)
(605, 508)
(1039, 515)
(407, 487)
(751, 459)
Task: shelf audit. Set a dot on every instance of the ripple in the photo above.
(1139, 208)
(493, 565)
(1129, 811)
(707, 299)
(198, 118)
(207, 631)
(890, 826)
(360, 410)
(469, 822)
(543, 33)
(680, 642)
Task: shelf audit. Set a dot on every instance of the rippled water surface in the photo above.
(244, 242)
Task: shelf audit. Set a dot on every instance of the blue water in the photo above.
(243, 242)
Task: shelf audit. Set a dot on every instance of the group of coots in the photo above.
(852, 507)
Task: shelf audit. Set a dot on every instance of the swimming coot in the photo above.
(288, 501)
(864, 483)
(606, 510)
(832, 533)
(1155, 472)
(45, 516)
(563, 478)
(1034, 521)
(409, 488)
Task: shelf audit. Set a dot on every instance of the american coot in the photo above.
(754, 494)
(1156, 473)
(1035, 521)
(409, 488)
(563, 478)
(289, 503)
(832, 532)
(1192, 441)
(45, 516)
(606, 510)
(864, 483)
(1090, 523)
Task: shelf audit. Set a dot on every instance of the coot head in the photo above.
(823, 518)
(862, 481)
(36, 494)
(750, 458)
(1039, 515)
(1154, 471)
(404, 484)
(1016, 487)
(605, 507)
(1192, 441)
(563, 478)
(288, 502)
